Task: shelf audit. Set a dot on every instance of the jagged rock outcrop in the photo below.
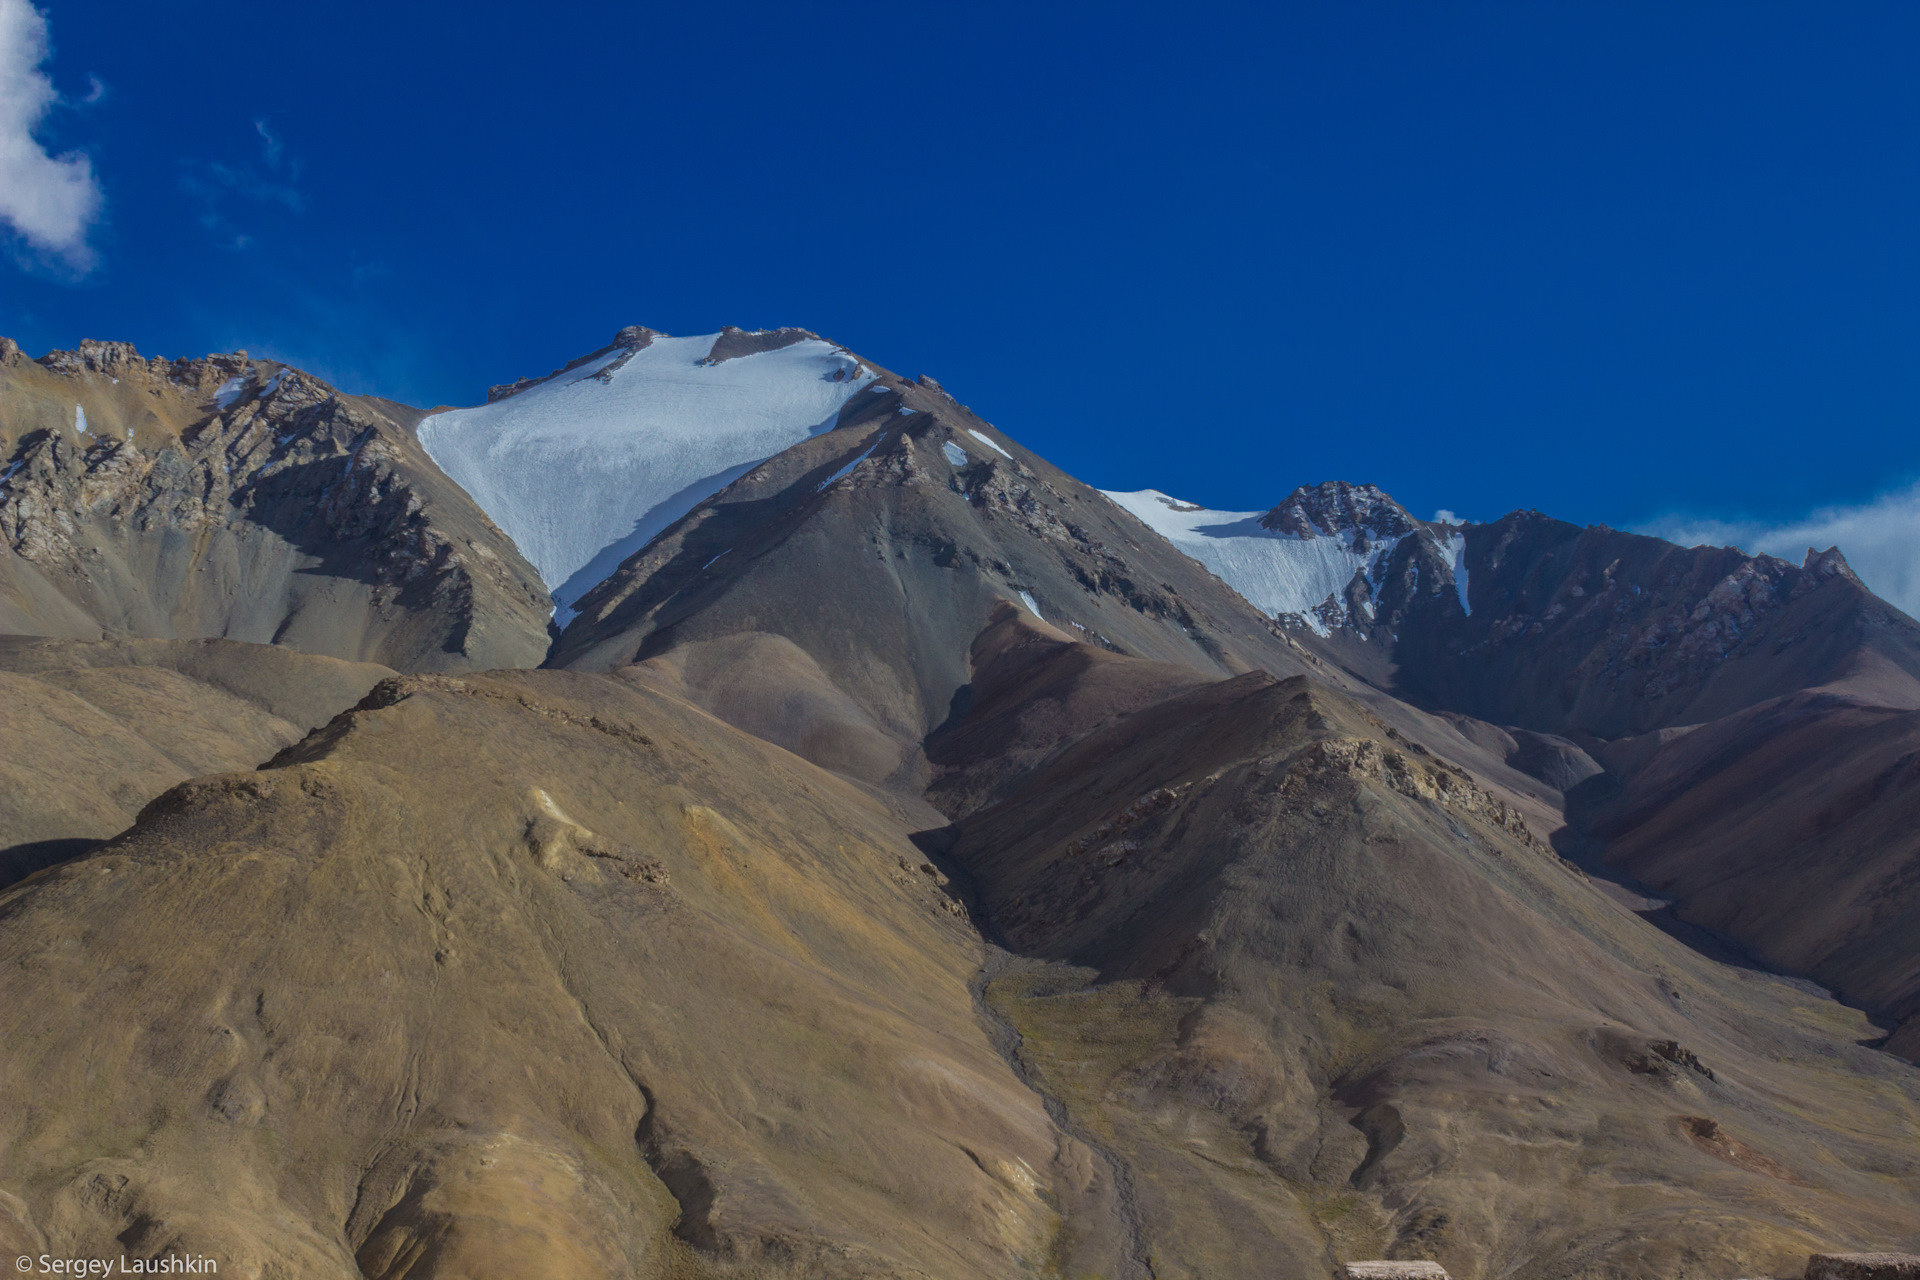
(1329, 509)
(231, 497)
(629, 340)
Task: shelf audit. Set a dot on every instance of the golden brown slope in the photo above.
(537, 974)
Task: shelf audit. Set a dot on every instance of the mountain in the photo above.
(586, 466)
(237, 498)
(1739, 724)
(827, 598)
(524, 974)
(909, 861)
(1316, 986)
(1318, 560)
(1535, 622)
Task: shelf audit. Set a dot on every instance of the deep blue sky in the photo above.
(1610, 260)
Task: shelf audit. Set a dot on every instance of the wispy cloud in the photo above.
(49, 201)
(216, 185)
(1880, 539)
(273, 144)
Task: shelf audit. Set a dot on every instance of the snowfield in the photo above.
(583, 470)
(989, 443)
(1456, 549)
(230, 390)
(1276, 572)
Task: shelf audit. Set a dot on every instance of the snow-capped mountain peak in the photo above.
(1318, 559)
(587, 465)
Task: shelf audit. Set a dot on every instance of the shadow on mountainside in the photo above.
(722, 530)
(19, 861)
(1577, 845)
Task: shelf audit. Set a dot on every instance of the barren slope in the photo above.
(1794, 827)
(1325, 996)
(524, 975)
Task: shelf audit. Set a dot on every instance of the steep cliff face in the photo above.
(244, 499)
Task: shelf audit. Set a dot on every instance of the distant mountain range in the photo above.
(725, 809)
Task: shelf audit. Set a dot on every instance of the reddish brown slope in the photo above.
(1327, 997)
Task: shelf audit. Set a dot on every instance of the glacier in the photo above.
(585, 468)
(1276, 572)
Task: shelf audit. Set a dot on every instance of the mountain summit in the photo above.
(586, 466)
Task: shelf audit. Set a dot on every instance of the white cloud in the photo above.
(1880, 539)
(51, 201)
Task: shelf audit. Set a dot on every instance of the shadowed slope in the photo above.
(95, 729)
(1034, 691)
(1795, 827)
(1610, 633)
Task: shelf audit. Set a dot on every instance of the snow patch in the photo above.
(990, 444)
(1026, 598)
(581, 470)
(80, 420)
(716, 560)
(955, 454)
(847, 470)
(230, 390)
(1277, 572)
(273, 384)
(1456, 549)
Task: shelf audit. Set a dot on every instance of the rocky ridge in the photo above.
(228, 496)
